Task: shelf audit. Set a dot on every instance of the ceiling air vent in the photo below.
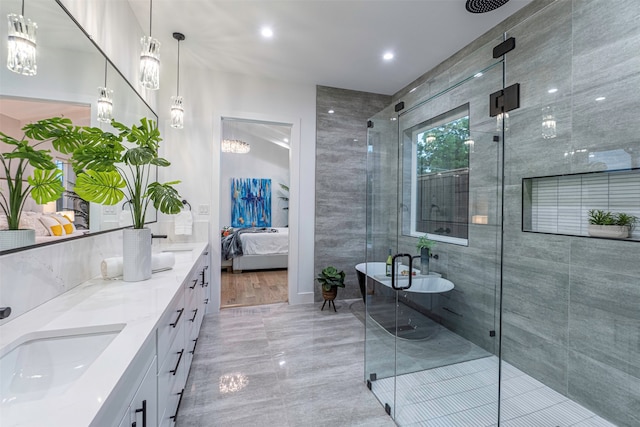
(482, 6)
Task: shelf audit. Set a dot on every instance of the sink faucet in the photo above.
(5, 312)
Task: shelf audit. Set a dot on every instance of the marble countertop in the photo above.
(98, 304)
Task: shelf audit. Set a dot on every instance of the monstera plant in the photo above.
(29, 171)
(107, 163)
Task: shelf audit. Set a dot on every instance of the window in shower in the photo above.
(439, 159)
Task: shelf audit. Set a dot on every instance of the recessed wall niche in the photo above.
(560, 204)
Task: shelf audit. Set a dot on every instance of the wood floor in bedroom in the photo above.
(253, 288)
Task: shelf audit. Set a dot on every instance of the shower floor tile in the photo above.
(466, 395)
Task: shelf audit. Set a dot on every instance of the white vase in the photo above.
(136, 254)
(609, 231)
(12, 239)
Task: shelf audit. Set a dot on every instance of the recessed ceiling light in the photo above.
(355, 139)
(413, 90)
(477, 75)
(286, 140)
(330, 111)
(553, 90)
(388, 56)
(393, 119)
(600, 98)
(266, 32)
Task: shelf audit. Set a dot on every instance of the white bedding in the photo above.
(265, 243)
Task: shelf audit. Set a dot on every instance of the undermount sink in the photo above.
(47, 363)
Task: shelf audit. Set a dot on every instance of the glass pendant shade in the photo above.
(150, 63)
(21, 52)
(177, 112)
(548, 123)
(502, 120)
(105, 105)
(235, 146)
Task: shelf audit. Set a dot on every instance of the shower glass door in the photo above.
(431, 350)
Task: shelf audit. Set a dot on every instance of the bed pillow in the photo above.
(35, 223)
(51, 224)
(68, 226)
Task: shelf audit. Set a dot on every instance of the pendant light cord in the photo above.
(178, 78)
(23, 8)
(105, 72)
(150, 15)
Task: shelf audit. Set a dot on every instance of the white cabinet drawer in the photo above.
(169, 326)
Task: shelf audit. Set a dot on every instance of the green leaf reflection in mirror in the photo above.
(70, 70)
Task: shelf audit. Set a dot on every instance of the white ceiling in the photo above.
(337, 43)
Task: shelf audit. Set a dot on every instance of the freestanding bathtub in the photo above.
(425, 284)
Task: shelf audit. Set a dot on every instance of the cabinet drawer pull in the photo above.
(174, 370)
(206, 301)
(195, 343)
(195, 313)
(175, 416)
(144, 414)
(195, 282)
(178, 318)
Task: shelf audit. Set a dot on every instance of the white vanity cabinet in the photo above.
(150, 392)
(142, 412)
(172, 375)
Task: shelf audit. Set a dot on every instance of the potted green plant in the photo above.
(424, 246)
(29, 171)
(330, 279)
(609, 224)
(106, 164)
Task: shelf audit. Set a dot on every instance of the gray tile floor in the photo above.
(280, 365)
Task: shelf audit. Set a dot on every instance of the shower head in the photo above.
(482, 6)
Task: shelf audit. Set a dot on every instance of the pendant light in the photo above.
(105, 99)
(150, 58)
(21, 52)
(177, 109)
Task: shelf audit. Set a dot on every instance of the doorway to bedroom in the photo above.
(254, 212)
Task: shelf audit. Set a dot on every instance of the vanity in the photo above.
(107, 352)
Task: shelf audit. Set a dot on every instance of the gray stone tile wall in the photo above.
(341, 162)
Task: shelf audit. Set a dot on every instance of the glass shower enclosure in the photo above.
(522, 315)
(436, 340)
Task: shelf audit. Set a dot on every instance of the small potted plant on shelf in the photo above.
(105, 164)
(424, 245)
(609, 224)
(29, 171)
(330, 279)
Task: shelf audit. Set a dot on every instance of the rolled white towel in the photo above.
(112, 267)
(162, 261)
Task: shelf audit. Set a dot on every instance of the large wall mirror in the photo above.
(70, 70)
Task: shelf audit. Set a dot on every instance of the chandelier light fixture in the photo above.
(21, 52)
(177, 109)
(105, 100)
(150, 58)
(235, 146)
(230, 143)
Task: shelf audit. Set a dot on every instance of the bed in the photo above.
(261, 249)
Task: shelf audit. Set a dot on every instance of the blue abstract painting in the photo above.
(250, 202)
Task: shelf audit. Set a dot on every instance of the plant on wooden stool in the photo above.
(330, 279)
